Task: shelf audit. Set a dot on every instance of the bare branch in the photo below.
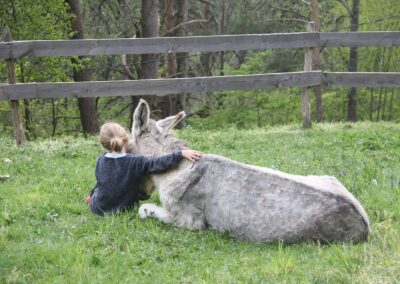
(66, 117)
(182, 24)
(287, 19)
(126, 67)
(118, 113)
(109, 103)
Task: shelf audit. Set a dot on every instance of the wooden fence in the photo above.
(11, 50)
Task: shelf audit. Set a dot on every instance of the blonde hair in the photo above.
(113, 137)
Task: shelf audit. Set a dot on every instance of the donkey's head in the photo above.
(153, 138)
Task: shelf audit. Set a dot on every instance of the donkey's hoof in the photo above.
(146, 210)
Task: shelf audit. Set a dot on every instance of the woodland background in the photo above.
(74, 19)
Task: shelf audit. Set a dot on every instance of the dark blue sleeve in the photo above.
(162, 163)
(96, 173)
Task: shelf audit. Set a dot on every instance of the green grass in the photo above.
(48, 235)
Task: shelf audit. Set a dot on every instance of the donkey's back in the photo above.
(260, 204)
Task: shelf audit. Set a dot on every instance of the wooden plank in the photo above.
(158, 87)
(362, 79)
(163, 87)
(359, 39)
(89, 47)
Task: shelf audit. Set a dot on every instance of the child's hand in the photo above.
(192, 155)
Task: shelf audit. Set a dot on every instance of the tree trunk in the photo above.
(181, 60)
(391, 106)
(380, 89)
(27, 109)
(172, 99)
(317, 60)
(371, 105)
(28, 119)
(385, 69)
(53, 118)
(150, 28)
(353, 63)
(87, 106)
(221, 30)
(305, 99)
(372, 102)
(384, 103)
(205, 57)
(150, 25)
(379, 105)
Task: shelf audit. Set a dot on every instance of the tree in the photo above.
(150, 27)
(87, 106)
(317, 60)
(172, 98)
(205, 58)
(182, 57)
(353, 62)
(221, 30)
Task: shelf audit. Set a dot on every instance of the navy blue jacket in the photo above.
(119, 179)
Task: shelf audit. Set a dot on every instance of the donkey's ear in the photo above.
(141, 117)
(170, 122)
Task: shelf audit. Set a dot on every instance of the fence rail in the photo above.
(91, 47)
(163, 87)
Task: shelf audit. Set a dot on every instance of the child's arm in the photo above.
(165, 162)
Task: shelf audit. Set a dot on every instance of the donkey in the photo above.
(249, 202)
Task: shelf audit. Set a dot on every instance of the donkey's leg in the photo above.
(152, 210)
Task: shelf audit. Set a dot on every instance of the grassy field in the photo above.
(47, 234)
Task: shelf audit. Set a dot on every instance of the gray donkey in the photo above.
(250, 203)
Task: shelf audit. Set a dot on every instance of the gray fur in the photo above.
(251, 203)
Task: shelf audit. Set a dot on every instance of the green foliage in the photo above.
(250, 109)
(270, 61)
(48, 235)
(40, 19)
(34, 20)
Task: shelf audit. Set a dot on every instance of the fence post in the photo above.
(19, 131)
(305, 99)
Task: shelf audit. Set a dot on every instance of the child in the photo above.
(119, 174)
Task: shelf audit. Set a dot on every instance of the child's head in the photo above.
(113, 137)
